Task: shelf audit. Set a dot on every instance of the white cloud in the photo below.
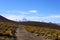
(21, 14)
(32, 11)
(17, 12)
(51, 16)
(56, 16)
(20, 17)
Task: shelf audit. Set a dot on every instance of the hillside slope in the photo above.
(7, 28)
(41, 24)
(3, 19)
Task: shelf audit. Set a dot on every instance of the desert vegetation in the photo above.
(47, 33)
(7, 30)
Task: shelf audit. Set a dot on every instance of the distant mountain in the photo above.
(5, 19)
(58, 23)
(41, 24)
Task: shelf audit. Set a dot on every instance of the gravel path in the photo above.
(22, 34)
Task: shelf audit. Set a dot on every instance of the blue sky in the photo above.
(35, 10)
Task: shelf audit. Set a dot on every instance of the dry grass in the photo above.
(47, 33)
(7, 30)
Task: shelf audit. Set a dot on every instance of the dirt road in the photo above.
(22, 34)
